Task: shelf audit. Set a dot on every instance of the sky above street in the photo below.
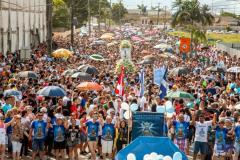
(218, 5)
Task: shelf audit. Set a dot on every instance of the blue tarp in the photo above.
(147, 145)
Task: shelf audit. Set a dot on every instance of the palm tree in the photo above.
(143, 9)
(191, 14)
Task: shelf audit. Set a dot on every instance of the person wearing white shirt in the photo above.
(201, 135)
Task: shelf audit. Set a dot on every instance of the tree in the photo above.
(61, 14)
(191, 14)
(143, 9)
(81, 9)
(118, 12)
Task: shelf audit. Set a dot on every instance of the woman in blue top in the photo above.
(59, 131)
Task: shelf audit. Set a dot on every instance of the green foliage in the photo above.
(143, 9)
(191, 14)
(228, 14)
(61, 14)
(118, 12)
(128, 65)
(81, 9)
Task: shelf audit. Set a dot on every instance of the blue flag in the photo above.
(158, 75)
(164, 85)
(141, 78)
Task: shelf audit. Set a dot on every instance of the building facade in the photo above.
(22, 24)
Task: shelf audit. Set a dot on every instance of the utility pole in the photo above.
(165, 17)
(119, 14)
(89, 18)
(99, 15)
(49, 25)
(72, 26)
(158, 14)
(109, 20)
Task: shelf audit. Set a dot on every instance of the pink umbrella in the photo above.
(136, 38)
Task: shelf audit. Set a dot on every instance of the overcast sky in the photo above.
(227, 5)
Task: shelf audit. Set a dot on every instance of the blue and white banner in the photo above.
(147, 124)
(164, 85)
(158, 75)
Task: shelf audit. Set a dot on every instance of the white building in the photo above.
(22, 23)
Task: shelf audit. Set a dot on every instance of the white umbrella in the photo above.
(162, 46)
(234, 70)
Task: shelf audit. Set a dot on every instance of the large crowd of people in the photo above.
(91, 123)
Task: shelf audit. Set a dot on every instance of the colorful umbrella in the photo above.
(81, 75)
(89, 86)
(27, 74)
(52, 91)
(13, 92)
(180, 94)
(62, 53)
(88, 69)
(96, 57)
(107, 36)
(136, 38)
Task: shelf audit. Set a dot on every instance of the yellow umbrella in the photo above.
(62, 53)
(107, 36)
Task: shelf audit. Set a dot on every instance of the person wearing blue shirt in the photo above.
(237, 140)
(7, 106)
(107, 137)
(59, 130)
(92, 131)
(220, 140)
(38, 132)
(181, 132)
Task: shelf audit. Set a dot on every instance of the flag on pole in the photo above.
(141, 78)
(164, 85)
(120, 85)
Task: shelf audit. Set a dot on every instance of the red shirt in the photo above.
(73, 108)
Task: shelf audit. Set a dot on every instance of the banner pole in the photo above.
(129, 125)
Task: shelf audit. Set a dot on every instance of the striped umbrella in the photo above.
(96, 57)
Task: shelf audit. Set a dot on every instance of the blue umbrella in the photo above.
(52, 91)
(12, 92)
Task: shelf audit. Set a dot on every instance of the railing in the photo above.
(231, 51)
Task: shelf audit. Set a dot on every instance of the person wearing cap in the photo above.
(59, 132)
(37, 135)
(108, 135)
(220, 141)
